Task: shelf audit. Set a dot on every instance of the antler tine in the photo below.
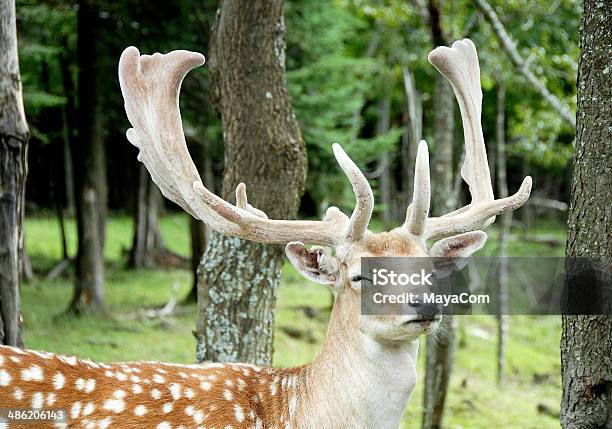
(150, 86)
(476, 216)
(132, 68)
(418, 211)
(459, 64)
(364, 204)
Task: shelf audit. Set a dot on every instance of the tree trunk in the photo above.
(70, 125)
(14, 136)
(356, 120)
(586, 344)
(90, 169)
(200, 232)
(386, 187)
(147, 243)
(506, 221)
(440, 351)
(412, 133)
(438, 368)
(443, 200)
(264, 149)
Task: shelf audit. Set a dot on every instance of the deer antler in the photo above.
(150, 85)
(459, 65)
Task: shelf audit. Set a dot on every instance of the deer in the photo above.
(365, 371)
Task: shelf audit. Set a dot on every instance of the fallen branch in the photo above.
(547, 203)
(58, 269)
(167, 309)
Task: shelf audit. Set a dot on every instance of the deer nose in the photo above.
(421, 308)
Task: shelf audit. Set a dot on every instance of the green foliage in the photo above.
(342, 57)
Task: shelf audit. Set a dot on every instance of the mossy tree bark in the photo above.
(13, 169)
(586, 344)
(264, 149)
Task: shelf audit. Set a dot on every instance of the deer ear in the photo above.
(314, 264)
(454, 251)
(458, 246)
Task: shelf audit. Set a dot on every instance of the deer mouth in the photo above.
(421, 319)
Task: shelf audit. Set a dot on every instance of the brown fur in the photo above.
(390, 244)
(239, 396)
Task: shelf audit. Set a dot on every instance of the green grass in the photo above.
(474, 400)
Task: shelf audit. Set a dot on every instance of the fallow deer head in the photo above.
(150, 86)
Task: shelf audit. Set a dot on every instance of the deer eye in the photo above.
(358, 278)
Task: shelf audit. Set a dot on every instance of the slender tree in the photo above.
(89, 168)
(147, 243)
(440, 351)
(265, 150)
(586, 344)
(13, 169)
(443, 200)
(413, 129)
(506, 222)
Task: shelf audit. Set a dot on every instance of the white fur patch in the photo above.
(70, 360)
(90, 385)
(75, 410)
(88, 409)
(37, 400)
(33, 373)
(140, 410)
(105, 423)
(58, 380)
(18, 394)
(5, 378)
(114, 405)
(175, 391)
(239, 413)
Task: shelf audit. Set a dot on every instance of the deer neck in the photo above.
(356, 381)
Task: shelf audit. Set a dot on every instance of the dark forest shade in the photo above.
(13, 168)
(264, 149)
(89, 169)
(586, 344)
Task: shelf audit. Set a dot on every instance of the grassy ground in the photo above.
(474, 400)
